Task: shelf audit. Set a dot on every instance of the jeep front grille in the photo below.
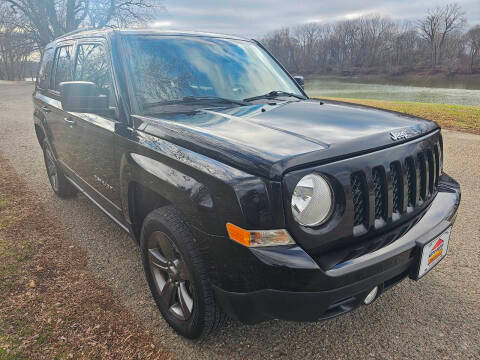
(406, 177)
(379, 196)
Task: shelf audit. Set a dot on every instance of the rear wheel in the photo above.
(60, 185)
(176, 275)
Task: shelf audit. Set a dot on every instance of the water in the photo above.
(361, 89)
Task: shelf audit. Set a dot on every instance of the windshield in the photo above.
(167, 69)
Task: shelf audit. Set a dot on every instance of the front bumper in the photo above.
(319, 294)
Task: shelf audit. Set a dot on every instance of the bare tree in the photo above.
(15, 48)
(473, 43)
(307, 36)
(47, 19)
(438, 25)
(284, 46)
(404, 48)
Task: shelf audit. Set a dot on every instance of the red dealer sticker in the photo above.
(433, 252)
(436, 251)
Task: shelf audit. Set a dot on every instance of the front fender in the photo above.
(199, 187)
(188, 195)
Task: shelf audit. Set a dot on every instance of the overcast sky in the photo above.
(254, 18)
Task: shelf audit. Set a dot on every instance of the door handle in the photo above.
(69, 120)
(46, 109)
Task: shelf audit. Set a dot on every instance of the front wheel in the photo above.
(176, 275)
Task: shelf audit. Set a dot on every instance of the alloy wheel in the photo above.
(170, 275)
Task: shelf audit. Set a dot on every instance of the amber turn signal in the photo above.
(258, 238)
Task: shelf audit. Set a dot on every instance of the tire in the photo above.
(165, 237)
(60, 185)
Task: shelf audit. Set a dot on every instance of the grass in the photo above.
(4, 355)
(456, 117)
(4, 219)
(3, 203)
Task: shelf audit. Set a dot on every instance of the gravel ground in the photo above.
(437, 317)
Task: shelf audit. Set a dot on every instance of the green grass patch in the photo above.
(12, 255)
(43, 338)
(5, 219)
(5, 355)
(456, 117)
(3, 203)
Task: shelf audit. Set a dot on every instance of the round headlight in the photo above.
(312, 200)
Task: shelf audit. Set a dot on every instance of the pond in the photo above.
(453, 93)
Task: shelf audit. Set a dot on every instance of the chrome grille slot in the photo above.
(360, 199)
(423, 177)
(431, 172)
(380, 189)
(437, 164)
(397, 188)
(411, 182)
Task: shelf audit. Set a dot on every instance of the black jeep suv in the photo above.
(246, 197)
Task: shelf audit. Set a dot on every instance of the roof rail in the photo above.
(77, 31)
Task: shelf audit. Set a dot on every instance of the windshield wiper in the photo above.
(212, 99)
(273, 94)
(195, 100)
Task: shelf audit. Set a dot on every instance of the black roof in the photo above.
(147, 31)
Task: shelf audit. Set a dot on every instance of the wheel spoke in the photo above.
(54, 181)
(168, 292)
(182, 269)
(51, 167)
(157, 259)
(50, 163)
(166, 247)
(186, 301)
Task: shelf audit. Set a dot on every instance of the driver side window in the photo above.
(92, 65)
(63, 69)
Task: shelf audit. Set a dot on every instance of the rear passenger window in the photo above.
(45, 68)
(63, 69)
(92, 65)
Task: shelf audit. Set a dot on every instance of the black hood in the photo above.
(270, 139)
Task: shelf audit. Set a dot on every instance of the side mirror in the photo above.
(82, 96)
(300, 81)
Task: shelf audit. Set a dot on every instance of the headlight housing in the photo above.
(312, 200)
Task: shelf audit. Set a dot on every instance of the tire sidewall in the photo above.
(193, 327)
(65, 189)
(47, 147)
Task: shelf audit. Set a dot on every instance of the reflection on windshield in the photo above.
(169, 68)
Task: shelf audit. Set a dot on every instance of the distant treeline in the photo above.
(440, 41)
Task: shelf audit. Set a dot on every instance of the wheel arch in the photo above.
(141, 202)
(148, 184)
(40, 134)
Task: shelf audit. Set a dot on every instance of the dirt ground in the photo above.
(51, 305)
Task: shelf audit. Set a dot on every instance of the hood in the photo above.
(270, 139)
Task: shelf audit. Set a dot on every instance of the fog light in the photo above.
(371, 296)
